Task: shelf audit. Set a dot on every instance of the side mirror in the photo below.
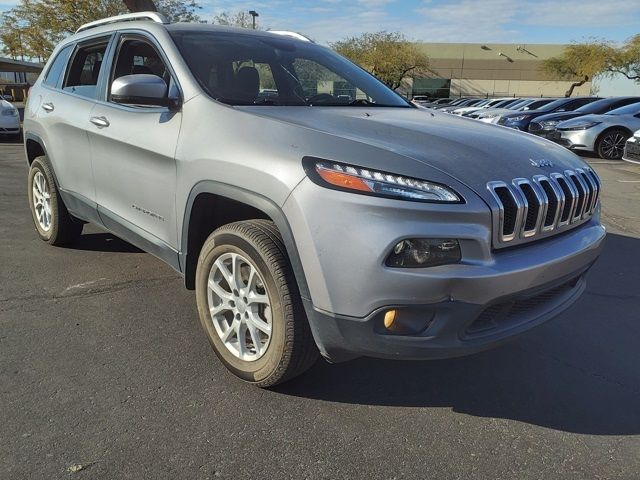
(142, 89)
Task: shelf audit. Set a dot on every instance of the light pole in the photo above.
(254, 14)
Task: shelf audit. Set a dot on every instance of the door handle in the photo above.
(48, 107)
(100, 122)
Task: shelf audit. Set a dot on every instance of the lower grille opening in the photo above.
(512, 313)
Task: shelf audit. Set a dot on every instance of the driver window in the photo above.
(139, 57)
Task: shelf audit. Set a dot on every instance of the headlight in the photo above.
(11, 112)
(364, 181)
(581, 126)
(549, 124)
(517, 118)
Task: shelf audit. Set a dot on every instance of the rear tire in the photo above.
(52, 220)
(255, 322)
(610, 145)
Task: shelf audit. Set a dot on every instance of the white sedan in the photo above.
(9, 119)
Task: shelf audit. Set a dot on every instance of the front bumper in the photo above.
(9, 125)
(576, 139)
(344, 238)
(632, 150)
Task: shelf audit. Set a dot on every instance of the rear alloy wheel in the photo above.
(611, 144)
(249, 305)
(52, 220)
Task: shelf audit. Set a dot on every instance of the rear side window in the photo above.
(56, 69)
(84, 70)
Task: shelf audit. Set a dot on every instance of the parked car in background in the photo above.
(470, 102)
(440, 102)
(9, 119)
(521, 120)
(493, 115)
(545, 125)
(457, 102)
(632, 149)
(604, 134)
(422, 100)
(499, 103)
(489, 103)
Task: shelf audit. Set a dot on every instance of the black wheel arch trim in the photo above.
(252, 199)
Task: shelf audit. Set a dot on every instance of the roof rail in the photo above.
(127, 17)
(295, 35)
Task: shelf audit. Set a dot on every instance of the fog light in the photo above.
(424, 252)
(389, 319)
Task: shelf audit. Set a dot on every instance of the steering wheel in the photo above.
(321, 98)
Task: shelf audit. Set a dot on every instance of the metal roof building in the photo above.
(495, 70)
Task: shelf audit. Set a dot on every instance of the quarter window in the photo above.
(84, 71)
(56, 69)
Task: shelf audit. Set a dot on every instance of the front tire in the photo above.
(52, 220)
(610, 145)
(249, 305)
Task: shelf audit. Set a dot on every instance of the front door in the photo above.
(133, 154)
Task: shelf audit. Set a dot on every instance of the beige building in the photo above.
(494, 70)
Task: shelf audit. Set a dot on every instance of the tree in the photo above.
(626, 60)
(388, 56)
(238, 19)
(34, 27)
(582, 62)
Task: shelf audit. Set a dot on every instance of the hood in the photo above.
(472, 152)
(530, 114)
(559, 117)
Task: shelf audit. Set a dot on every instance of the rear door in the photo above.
(68, 96)
(133, 153)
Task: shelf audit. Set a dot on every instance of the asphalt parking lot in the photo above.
(104, 373)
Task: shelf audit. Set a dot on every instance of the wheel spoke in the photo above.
(228, 276)
(219, 291)
(258, 323)
(255, 337)
(242, 343)
(232, 329)
(236, 271)
(257, 298)
(218, 309)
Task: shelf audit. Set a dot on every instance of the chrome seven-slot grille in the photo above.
(528, 209)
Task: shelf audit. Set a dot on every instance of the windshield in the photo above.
(241, 69)
(551, 106)
(597, 106)
(627, 110)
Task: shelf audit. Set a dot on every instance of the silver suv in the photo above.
(311, 208)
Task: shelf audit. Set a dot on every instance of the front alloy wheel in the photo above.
(249, 305)
(239, 306)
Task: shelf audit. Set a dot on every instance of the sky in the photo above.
(474, 21)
